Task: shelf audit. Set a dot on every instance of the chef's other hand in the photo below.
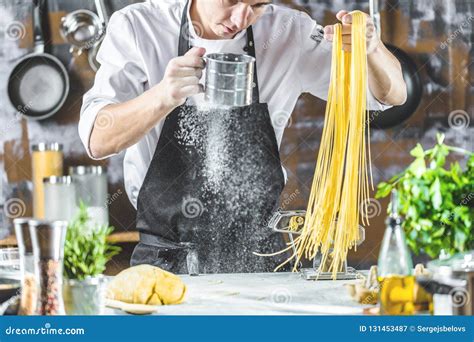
(345, 17)
(182, 77)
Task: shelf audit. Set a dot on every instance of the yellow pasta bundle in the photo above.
(340, 187)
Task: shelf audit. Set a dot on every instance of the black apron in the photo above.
(214, 182)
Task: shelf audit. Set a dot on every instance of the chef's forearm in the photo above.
(385, 77)
(119, 126)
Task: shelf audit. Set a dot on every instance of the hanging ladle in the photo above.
(83, 29)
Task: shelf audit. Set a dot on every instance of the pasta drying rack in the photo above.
(280, 222)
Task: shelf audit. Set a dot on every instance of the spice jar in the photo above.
(28, 296)
(48, 248)
(59, 198)
(47, 160)
(91, 189)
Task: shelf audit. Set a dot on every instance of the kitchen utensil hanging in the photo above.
(83, 29)
(95, 49)
(397, 114)
(39, 83)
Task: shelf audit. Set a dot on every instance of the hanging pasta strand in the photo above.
(340, 188)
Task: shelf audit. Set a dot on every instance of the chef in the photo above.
(205, 184)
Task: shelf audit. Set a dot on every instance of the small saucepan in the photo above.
(39, 83)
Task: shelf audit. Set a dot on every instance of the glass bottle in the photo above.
(28, 298)
(47, 160)
(395, 267)
(48, 238)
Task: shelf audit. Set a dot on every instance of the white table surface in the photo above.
(261, 294)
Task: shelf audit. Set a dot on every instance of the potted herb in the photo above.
(437, 201)
(86, 252)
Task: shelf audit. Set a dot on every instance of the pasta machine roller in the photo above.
(290, 222)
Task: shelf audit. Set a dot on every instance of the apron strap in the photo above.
(184, 45)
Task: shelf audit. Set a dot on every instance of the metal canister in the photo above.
(47, 160)
(229, 79)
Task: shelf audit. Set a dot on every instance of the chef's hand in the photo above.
(345, 17)
(182, 77)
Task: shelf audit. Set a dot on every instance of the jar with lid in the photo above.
(91, 189)
(47, 160)
(28, 298)
(48, 239)
(60, 198)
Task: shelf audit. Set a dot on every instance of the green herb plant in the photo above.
(86, 249)
(437, 202)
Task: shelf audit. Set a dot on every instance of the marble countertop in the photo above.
(261, 294)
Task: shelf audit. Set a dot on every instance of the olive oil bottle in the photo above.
(395, 267)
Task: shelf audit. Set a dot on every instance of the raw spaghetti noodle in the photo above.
(340, 189)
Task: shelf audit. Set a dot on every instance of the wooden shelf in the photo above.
(119, 237)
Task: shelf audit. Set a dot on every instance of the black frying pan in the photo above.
(398, 114)
(38, 84)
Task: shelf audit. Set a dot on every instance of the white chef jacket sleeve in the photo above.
(314, 64)
(121, 76)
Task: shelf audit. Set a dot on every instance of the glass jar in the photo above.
(48, 238)
(10, 263)
(91, 189)
(28, 298)
(60, 198)
(47, 160)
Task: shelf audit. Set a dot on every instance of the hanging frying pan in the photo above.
(397, 114)
(38, 84)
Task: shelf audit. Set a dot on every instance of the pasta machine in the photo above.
(284, 222)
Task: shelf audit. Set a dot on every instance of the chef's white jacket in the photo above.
(142, 38)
